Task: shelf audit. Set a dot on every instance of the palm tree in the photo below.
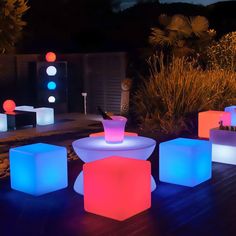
(183, 35)
(11, 23)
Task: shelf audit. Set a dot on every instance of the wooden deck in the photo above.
(206, 210)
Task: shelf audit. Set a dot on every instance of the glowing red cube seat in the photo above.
(117, 187)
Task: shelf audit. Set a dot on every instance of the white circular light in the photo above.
(51, 99)
(51, 70)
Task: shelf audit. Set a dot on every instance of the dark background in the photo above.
(90, 35)
(94, 26)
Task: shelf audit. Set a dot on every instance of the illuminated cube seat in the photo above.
(24, 108)
(3, 122)
(210, 119)
(117, 187)
(232, 111)
(223, 146)
(44, 115)
(185, 161)
(39, 168)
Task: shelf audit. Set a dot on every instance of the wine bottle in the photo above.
(103, 114)
(221, 125)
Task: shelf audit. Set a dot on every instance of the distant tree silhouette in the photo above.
(184, 35)
(117, 4)
(11, 23)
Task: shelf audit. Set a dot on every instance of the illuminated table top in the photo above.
(94, 148)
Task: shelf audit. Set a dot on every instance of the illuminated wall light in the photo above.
(51, 99)
(38, 168)
(112, 187)
(3, 122)
(185, 161)
(50, 57)
(208, 120)
(51, 85)
(51, 71)
(9, 106)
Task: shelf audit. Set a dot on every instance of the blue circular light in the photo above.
(51, 71)
(52, 85)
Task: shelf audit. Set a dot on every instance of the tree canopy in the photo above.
(11, 23)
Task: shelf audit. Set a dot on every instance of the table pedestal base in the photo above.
(79, 184)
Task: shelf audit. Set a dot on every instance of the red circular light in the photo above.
(9, 106)
(51, 57)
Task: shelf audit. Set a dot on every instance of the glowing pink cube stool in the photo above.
(210, 119)
(114, 129)
(117, 187)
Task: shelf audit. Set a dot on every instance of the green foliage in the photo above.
(175, 92)
(183, 35)
(11, 23)
(222, 54)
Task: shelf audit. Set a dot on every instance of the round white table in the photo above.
(95, 148)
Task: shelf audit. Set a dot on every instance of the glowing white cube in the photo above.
(185, 161)
(3, 122)
(223, 146)
(38, 168)
(24, 108)
(44, 115)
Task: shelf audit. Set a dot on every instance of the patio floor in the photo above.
(208, 209)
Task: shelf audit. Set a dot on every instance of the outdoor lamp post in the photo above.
(85, 102)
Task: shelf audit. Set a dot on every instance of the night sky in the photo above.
(124, 4)
(203, 2)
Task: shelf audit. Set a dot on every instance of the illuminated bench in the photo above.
(39, 168)
(232, 110)
(223, 146)
(117, 187)
(44, 115)
(24, 108)
(3, 122)
(185, 161)
(210, 119)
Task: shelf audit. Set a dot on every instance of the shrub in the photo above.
(184, 36)
(222, 54)
(175, 92)
(11, 23)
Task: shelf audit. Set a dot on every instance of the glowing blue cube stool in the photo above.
(44, 115)
(38, 168)
(3, 122)
(185, 161)
(232, 110)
